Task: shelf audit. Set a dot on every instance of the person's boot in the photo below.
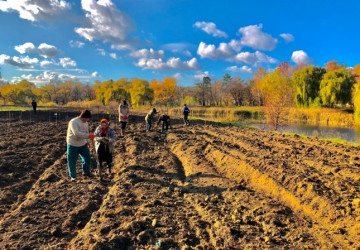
(109, 169)
(123, 132)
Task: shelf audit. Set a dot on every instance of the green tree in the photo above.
(307, 84)
(336, 86)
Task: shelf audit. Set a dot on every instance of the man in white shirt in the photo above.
(77, 143)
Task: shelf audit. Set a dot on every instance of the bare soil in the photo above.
(198, 187)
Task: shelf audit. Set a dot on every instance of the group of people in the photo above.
(103, 138)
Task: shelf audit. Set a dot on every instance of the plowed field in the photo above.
(196, 187)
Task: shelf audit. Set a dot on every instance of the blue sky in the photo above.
(88, 40)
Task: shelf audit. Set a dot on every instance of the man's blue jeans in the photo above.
(148, 126)
(72, 156)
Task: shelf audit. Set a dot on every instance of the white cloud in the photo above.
(254, 58)
(47, 63)
(210, 28)
(179, 48)
(36, 10)
(178, 76)
(50, 76)
(67, 62)
(44, 49)
(202, 75)
(95, 74)
(114, 56)
(47, 50)
(254, 37)
(26, 48)
(102, 52)
(223, 51)
(171, 63)
(301, 57)
(147, 53)
(76, 44)
(106, 23)
(287, 37)
(243, 69)
(184, 52)
(21, 62)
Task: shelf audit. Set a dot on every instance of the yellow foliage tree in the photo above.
(164, 92)
(278, 94)
(140, 92)
(356, 94)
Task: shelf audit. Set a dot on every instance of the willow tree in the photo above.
(336, 86)
(307, 84)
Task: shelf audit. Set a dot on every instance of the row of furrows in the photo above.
(325, 153)
(145, 206)
(24, 157)
(52, 211)
(234, 162)
(290, 169)
(235, 212)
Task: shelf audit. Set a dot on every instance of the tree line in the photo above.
(304, 86)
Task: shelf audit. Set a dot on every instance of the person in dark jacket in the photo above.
(186, 112)
(34, 105)
(104, 143)
(150, 119)
(165, 120)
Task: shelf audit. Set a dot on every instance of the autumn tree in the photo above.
(333, 65)
(165, 91)
(7, 91)
(203, 91)
(356, 93)
(336, 86)
(278, 94)
(140, 92)
(236, 89)
(257, 90)
(307, 84)
(217, 92)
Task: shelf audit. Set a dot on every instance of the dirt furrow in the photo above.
(52, 212)
(24, 156)
(145, 207)
(234, 211)
(297, 173)
(237, 166)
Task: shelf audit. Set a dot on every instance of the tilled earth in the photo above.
(196, 187)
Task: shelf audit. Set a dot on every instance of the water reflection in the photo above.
(348, 134)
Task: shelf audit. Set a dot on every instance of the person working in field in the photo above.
(124, 113)
(165, 120)
(150, 119)
(186, 112)
(77, 143)
(34, 105)
(104, 143)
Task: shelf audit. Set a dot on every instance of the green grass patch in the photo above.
(333, 140)
(340, 141)
(2, 109)
(236, 124)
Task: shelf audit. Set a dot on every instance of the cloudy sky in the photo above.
(88, 40)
